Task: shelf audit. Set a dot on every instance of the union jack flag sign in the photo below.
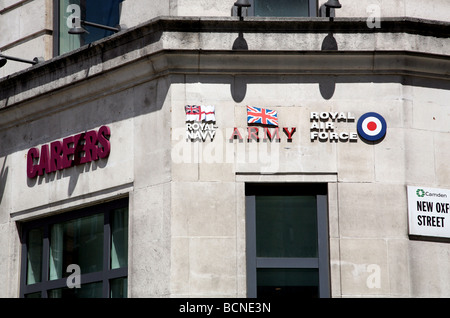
(200, 113)
(193, 112)
(261, 116)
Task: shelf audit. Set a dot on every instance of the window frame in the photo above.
(313, 8)
(56, 27)
(321, 262)
(104, 276)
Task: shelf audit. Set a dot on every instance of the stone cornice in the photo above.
(170, 45)
(401, 63)
(303, 25)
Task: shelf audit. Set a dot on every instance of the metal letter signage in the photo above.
(323, 126)
(428, 211)
(74, 150)
(371, 127)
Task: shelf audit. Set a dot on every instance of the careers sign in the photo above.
(428, 211)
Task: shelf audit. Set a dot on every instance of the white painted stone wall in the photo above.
(187, 217)
(25, 28)
(370, 250)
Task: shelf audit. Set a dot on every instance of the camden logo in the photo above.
(420, 193)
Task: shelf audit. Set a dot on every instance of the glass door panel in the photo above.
(286, 226)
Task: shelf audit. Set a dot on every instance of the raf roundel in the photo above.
(372, 127)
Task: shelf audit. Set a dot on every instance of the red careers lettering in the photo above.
(69, 152)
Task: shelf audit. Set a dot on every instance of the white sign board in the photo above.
(428, 211)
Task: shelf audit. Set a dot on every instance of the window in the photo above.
(287, 240)
(283, 8)
(95, 239)
(105, 12)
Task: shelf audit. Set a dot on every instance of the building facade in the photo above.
(292, 150)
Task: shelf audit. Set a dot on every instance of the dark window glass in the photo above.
(119, 238)
(281, 8)
(286, 226)
(282, 282)
(119, 287)
(78, 241)
(94, 239)
(92, 290)
(287, 240)
(34, 256)
(104, 12)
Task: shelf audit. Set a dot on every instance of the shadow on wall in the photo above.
(327, 84)
(3, 178)
(238, 85)
(73, 173)
(145, 98)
